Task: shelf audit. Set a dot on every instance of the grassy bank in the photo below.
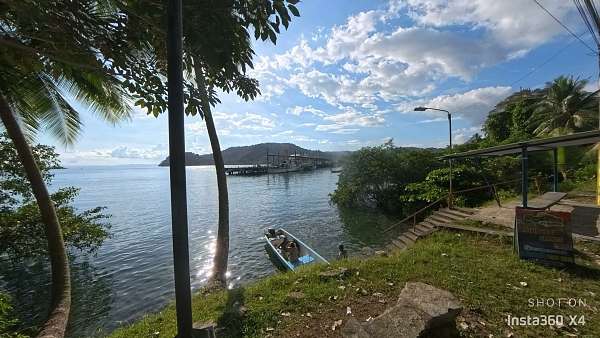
(481, 270)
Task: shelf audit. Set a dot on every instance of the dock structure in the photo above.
(281, 164)
(297, 159)
(247, 170)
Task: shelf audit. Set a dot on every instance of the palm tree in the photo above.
(41, 101)
(565, 108)
(220, 50)
(42, 71)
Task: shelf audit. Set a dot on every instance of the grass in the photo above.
(480, 270)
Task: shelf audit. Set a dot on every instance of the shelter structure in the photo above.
(535, 145)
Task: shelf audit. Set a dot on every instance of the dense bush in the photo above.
(378, 176)
(21, 228)
(8, 319)
(404, 179)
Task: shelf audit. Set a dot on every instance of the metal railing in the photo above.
(492, 187)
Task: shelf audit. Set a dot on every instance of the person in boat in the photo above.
(342, 254)
(284, 244)
(293, 251)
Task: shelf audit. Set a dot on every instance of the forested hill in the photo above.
(256, 154)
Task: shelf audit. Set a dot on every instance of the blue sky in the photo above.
(346, 74)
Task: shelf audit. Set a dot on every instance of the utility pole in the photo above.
(450, 197)
(179, 224)
(592, 21)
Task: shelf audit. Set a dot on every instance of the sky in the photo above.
(348, 73)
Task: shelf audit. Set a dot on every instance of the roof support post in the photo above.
(179, 223)
(525, 178)
(555, 170)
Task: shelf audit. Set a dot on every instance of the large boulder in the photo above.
(421, 311)
(439, 304)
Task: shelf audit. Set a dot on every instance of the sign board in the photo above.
(544, 236)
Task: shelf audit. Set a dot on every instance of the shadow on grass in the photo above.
(583, 272)
(232, 320)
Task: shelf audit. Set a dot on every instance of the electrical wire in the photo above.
(565, 27)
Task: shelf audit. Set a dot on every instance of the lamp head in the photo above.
(420, 109)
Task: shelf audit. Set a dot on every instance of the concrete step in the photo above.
(426, 230)
(398, 244)
(456, 212)
(439, 220)
(427, 224)
(467, 211)
(420, 231)
(448, 215)
(407, 241)
(411, 235)
(480, 230)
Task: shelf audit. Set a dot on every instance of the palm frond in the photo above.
(63, 121)
(102, 95)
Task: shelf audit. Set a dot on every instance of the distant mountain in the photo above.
(256, 154)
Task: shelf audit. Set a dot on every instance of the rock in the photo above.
(421, 311)
(354, 329)
(441, 305)
(205, 329)
(336, 324)
(295, 295)
(335, 273)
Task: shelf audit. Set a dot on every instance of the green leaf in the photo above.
(294, 10)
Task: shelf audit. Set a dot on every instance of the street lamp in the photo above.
(450, 204)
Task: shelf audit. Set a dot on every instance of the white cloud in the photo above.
(462, 135)
(231, 124)
(344, 131)
(517, 24)
(350, 118)
(118, 155)
(377, 61)
(128, 152)
(298, 110)
(473, 105)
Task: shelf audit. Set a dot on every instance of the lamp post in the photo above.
(450, 197)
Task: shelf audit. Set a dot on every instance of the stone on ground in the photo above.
(441, 305)
(421, 311)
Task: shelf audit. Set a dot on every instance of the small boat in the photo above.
(336, 170)
(274, 238)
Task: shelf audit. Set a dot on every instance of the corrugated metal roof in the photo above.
(588, 137)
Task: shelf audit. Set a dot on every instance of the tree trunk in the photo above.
(222, 249)
(60, 306)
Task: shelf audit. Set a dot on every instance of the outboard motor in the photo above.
(271, 232)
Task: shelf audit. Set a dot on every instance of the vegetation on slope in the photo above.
(482, 271)
(402, 180)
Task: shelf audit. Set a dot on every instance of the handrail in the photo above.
(414, 215)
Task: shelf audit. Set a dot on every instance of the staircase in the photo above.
(439, 218)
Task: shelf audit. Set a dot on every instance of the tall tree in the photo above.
(565, 108)
(218, 53)
(50, 57)
(223, 66)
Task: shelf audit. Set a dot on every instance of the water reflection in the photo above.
(367, 227)
(132, 273)
(29, 285)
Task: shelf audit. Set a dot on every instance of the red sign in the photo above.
(544, 236)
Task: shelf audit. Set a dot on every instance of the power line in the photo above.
(565, 27)
(535, 69)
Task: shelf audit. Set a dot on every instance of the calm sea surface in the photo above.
(132, 272)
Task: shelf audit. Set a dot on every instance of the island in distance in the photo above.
(256, 154)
